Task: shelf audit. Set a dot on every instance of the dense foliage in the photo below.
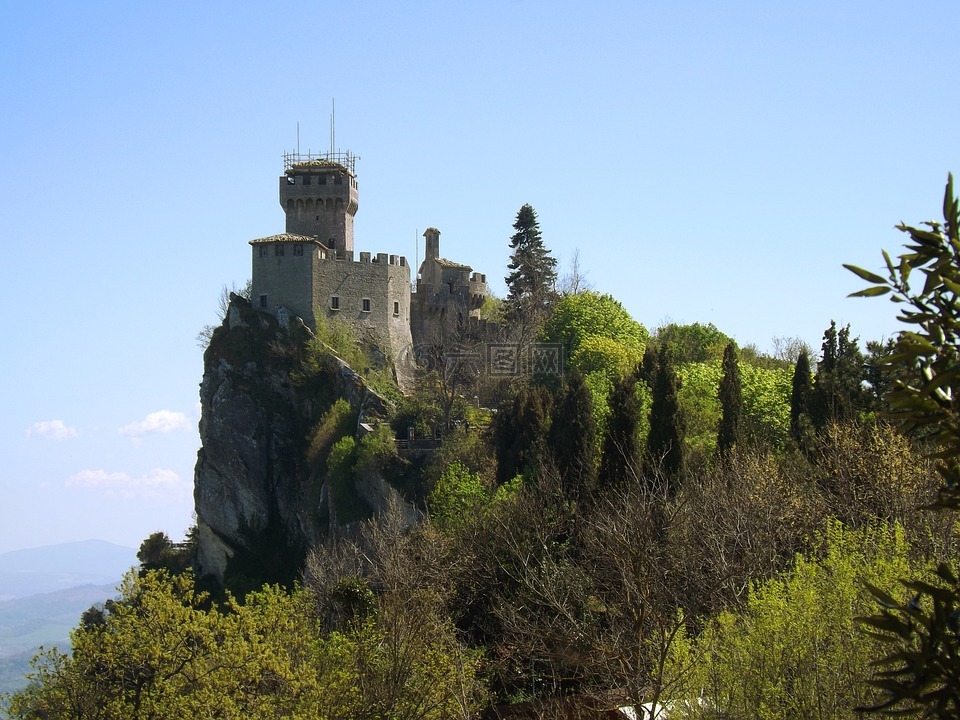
(673, 520)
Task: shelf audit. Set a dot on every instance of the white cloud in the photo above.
(156, 484)
(52, 429)
(162, 421)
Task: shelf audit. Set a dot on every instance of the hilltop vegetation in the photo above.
(661, 517)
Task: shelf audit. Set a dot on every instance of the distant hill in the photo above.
(43, 592)
(58, 567)
(47, 619)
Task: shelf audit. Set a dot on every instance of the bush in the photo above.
(796, 650)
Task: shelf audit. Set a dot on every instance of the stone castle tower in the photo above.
(448, 298)
(310, 270)
(319, 196)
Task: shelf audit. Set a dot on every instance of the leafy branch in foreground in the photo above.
(921, 673)
(926, 396)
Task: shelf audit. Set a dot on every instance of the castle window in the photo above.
(306, 179)
(334, 303)
(278, 249)
(263, 301)
(298, 249)
(263, 251)
(396, 308)
(331, 243)
(366, 305)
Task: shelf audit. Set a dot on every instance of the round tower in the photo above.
(318, 193)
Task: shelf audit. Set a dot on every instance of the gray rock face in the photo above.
(259, 405)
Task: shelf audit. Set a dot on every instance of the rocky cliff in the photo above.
(260, 503)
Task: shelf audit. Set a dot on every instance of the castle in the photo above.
(310, 269)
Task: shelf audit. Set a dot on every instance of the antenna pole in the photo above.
(298, 137)
(333, 122)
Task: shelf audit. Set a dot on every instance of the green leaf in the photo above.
(865, 274)
(871, 291)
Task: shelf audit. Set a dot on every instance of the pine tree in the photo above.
(572, 437)
(533, 272)
(621, 455)
(731, 403)
(667, 428)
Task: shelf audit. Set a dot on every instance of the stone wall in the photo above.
(373, 296)
(283, 274)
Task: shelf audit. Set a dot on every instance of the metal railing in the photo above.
(347, 159)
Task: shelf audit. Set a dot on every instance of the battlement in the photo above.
(364, 257)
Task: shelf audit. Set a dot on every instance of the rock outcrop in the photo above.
(260, 504)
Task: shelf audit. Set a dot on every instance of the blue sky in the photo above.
(712, 162)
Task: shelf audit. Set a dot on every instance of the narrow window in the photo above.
(366, 305)
(306, 179)
(263, 301)
(396, 308)
(334, 303)
(263, 251)
(278, 249)
(298, 249)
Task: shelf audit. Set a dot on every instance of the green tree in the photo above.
(920, 672)
(692, 343)
(519, 432)
(838, 393)
(160, 652)
(731, 403)
(620, 460)
(457, 495)
(800, 400)
(533, 271)
(665, 451)
(572, 439)
(589, 314)
(795, 650)
(157, 552)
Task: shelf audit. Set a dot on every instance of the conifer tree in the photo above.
(573, 437)
(838, 392)
(665, 441)
(648, 366)
(731, 403)
(621, 455)
(519, 431)
(533, 272)
(800, 398)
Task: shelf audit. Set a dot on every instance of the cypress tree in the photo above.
(519, 432)
(621, 455)
(838, 393)
(665, 441)
(573, 437)
(731, 403)
(648, 366)
(800, 398)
